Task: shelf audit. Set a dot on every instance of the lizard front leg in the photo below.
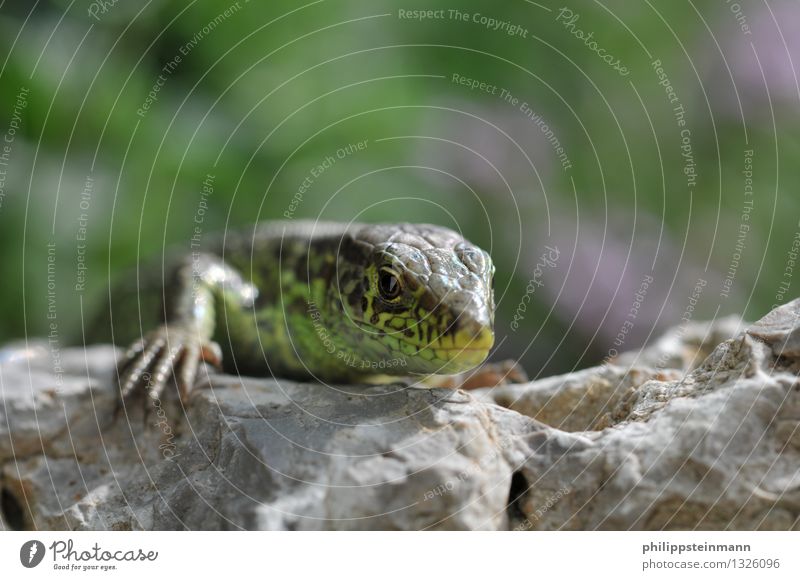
(177, 346)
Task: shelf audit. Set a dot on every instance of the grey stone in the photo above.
(685, 346)
(651, 440)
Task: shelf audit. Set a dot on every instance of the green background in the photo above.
(277, 87)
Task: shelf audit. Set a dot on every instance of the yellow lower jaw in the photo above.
(470, 352)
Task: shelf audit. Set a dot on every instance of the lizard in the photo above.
(326, 301)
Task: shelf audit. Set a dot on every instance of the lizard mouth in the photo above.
(463, 341)
(464, 350)
(481, 339)
(470, 349)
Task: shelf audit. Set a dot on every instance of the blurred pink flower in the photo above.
(760, 42)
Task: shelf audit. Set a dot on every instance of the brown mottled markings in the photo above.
(450, 328)
(428, 301)
(358, 300)
(377, 305)
(380, 306)
(347, 277)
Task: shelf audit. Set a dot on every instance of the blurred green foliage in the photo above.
(267, 92)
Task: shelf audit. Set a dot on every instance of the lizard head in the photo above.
(421, 294)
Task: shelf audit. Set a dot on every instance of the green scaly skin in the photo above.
(305, 300)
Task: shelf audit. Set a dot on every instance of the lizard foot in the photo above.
(166, 351)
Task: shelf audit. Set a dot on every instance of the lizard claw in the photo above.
(164, 352)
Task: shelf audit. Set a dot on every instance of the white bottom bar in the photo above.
(355, 555)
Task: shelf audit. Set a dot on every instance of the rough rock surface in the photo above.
(652, 440)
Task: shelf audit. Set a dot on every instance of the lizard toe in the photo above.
(186, 369)
(212, 354)
(162, 370)
(151, 361)
(136, 374)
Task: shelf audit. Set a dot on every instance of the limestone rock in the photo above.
(685, 346)
(652, 440)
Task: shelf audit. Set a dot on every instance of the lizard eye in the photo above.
(388, 284)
